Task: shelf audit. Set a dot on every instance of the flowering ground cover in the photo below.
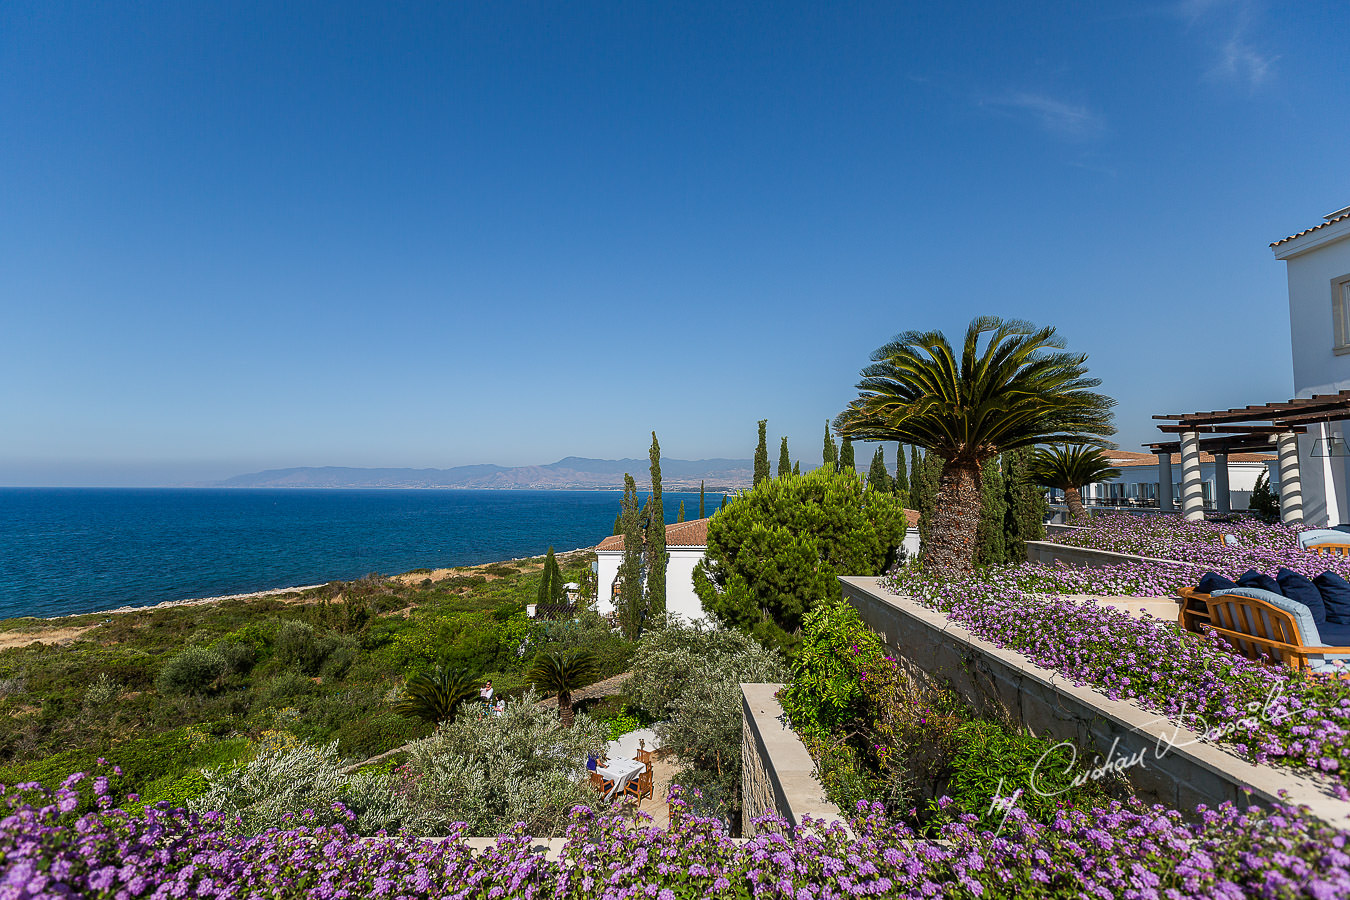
(1259, 546)
(49, 850)
(1270, 714)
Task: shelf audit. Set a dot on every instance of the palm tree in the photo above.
(433, 698)
(561, 674)
(1068, 468)
(1020, 390)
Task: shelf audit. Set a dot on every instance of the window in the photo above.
(1340, 313)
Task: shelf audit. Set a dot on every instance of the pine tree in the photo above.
(656, 538)
(724, 503)
(901, 483)
(762, 454)
(846, 455)
(701, 513)
(1264, 502)
(629, 606)
(784, 462)
(878, 479)
(679, 516)
(830, 455)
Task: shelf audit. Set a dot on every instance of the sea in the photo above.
(65, 551)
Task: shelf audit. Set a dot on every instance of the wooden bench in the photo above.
(1331, 549)
(1257, 629)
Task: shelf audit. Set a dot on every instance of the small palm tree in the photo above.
(1068, 468)
(561, 674)
(434, 698)
(1018, 391)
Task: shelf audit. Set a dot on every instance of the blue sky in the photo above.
(243, 236)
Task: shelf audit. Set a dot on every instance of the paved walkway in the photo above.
(607, 688)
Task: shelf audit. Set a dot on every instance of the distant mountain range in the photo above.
(572, 473)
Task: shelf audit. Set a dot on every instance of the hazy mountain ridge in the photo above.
(571, 473)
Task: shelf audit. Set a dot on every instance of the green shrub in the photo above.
(193, 671)
(283, 687)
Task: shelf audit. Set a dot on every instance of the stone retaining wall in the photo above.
(1048, 553)
(1183, 775)
(777, 773)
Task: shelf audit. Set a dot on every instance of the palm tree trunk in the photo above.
(1074, 500)
(565, 708)
(956, 518)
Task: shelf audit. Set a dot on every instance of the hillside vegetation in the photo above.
(165, 692)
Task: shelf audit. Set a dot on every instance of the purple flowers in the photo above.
(1115, 851)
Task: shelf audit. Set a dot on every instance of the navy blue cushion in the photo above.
(591, 762)
(1209, 583)
(1253, 578)
(1296, 587)
(1335, 635)
(1335, 592)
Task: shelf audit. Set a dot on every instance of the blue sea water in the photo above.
(77, 550)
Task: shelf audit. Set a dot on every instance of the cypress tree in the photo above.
(923, 486)
(846, 455)
(656, 538)
(878, 479)
(797, 467)
(701, 513)
(618, 522)
(830, 455)
(990, 546)
(762, 455)
(914, 464)
(784, 462)
(1024, 519)
(679, 516)
(550, 582)
(630, 567)
(724, 503)
(901, 474)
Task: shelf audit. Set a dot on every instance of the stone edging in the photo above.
(1187, 774)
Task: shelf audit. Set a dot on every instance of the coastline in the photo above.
(271, 592)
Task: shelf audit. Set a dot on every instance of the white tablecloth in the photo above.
(620, 771)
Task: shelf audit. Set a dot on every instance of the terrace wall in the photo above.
(1175, 768)
(1048, 553)
(777, 773)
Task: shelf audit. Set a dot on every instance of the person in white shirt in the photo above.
(486, 693)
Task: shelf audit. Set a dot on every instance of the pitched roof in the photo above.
(681, 534)
(695, 533)
(1127, 459)
(1341, 217)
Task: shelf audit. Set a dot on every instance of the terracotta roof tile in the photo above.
(1341, 218)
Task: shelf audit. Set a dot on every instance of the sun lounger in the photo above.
(1265, 626)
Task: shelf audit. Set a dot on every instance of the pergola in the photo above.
(1251, 428)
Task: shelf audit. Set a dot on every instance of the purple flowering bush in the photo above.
(49, 850)
(1270, 714)
(1260, 546)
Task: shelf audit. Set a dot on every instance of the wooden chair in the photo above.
(600, 783)
(643, 755)
(1194, 610)
(1262, 631)
(641, 786)
(1331, 549)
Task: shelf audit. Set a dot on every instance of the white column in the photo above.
(1291, 484)
(1192, 491)
(1165, 482)
(1223, 500)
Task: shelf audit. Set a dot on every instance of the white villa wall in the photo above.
(680, 597)
(1314, 263)
(1242, 478)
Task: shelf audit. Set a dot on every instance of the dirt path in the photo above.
(53, 636)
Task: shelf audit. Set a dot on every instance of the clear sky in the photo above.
(251, 235)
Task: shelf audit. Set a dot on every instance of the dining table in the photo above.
(620, 771)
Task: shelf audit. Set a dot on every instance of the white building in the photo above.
(1318, 267)
(686, 543)
(1138, 485)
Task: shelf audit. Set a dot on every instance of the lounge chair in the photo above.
(1267, 626)
(1326, 541)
